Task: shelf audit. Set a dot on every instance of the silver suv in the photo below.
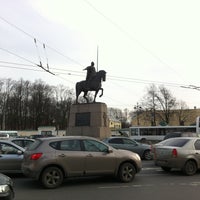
(50, 160)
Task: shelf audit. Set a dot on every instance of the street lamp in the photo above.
(138, 109)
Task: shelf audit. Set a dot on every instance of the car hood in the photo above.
(5, 180)
(123, 152)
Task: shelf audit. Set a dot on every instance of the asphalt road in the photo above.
(152, 183)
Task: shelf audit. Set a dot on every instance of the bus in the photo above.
(157, 133)
(8, 134)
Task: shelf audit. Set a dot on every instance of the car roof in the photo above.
(117, 137)
(67, 137)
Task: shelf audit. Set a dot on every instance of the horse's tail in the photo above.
(77, 91)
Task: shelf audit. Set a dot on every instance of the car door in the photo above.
(70, 156)
(10, 157)
(133, 146)
(98, 159)
(117, 143)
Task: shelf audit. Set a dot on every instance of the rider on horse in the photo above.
(91, 72)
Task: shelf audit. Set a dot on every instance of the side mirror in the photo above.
(110, 150)
(19, 152)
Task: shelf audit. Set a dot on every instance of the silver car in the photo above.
(11, 156)
(50, 160)
(182, 153)
(144, 150)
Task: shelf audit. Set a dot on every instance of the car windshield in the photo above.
(176, 143)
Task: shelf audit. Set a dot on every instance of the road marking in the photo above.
(171, 184)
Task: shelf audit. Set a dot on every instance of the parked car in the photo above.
(180, 134)
(182, 153)
(39, 136)
(144, 150)
(6, 188)
(22, 142)
(11, 156)
(52, 159)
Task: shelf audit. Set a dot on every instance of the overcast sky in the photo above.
(139, 42)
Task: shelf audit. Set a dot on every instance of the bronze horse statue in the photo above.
(92, 85)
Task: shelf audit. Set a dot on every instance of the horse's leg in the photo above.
(85, 96)
(101, 92)
(95, 96)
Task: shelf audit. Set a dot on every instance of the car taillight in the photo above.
(36, 156)
(174, 153)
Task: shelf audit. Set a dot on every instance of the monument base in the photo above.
(89, 120)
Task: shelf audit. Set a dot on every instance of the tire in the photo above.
(52, 177)
(126, 172)
(190, 168)
(147, 155)
(166, 169)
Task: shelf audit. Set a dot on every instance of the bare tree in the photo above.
(64, 99)
(150, 103)
(6, 92)
(182, 112)
(158, 105)
(166, 103)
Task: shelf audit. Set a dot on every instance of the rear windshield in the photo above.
(34, 145)
(176, 143)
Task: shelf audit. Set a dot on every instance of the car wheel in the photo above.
(190, 168)
(166, 169)
(52, 177)
(147, 155)
(127, 172)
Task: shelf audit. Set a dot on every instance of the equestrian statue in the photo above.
(92, 83)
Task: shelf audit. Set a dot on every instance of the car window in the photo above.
(18, 142)
(95, 146)
(66, 145)
(8, 149)
(127, 141)
(70, 145)
(197, 145)
(176, 143)
(116, 141)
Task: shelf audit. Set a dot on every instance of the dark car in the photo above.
(22, 142)
(144, 150)
(52, 159)
(39, 136)
(6, 188)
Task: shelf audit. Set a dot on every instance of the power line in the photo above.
(32, 37)
(113, 78)
(129, 35)
(17, 56)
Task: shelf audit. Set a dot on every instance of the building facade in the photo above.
(176, 117)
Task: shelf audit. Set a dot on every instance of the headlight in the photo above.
(138, 157)
(4, 188)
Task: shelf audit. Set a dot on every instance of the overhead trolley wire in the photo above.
(29, 35)
(129, 35)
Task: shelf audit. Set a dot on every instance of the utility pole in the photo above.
(138, 109)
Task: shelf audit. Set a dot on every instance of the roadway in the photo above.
(151, 183)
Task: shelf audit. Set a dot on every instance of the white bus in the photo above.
(157, 133)
(8, 134)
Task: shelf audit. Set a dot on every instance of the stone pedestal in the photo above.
(89, 120)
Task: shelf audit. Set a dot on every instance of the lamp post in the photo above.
(138, 109)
